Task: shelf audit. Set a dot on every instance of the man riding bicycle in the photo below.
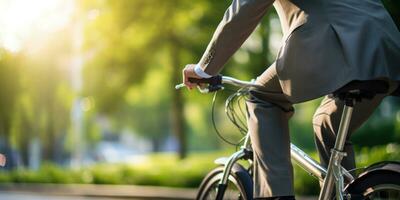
(327, 44)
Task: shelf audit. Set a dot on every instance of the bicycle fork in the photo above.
(242, 153)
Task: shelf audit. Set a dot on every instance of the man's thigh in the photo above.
(271, 91)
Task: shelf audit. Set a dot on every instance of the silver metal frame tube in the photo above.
(307, 163)
(343, 127)
(239, 83)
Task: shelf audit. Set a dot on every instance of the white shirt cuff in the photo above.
(199, 72)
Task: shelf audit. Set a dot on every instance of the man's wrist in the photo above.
(200, 72)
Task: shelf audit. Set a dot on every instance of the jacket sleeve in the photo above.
(239, 21)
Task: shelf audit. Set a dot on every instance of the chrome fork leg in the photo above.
(334, 174)
(227, 170)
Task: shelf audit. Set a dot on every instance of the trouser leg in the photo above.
(269, 112)
(268, 126)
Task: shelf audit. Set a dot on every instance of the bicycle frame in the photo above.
(335, 176)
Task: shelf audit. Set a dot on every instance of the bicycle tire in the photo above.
(378, 183)
(240, 185)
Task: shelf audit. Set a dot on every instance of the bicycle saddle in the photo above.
(359, 90)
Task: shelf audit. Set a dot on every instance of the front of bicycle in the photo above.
(230, 180)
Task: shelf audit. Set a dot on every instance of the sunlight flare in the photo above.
(24, 20)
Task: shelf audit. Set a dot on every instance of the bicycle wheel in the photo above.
(240, 186)
(379, 184)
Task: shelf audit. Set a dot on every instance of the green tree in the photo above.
(129, 38)
(35, 98)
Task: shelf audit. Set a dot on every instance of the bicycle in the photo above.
(231, 180)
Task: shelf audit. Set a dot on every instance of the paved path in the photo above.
(96, 192)
(99, 191)
(29, 196)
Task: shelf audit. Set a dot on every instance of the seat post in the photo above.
(344, 123)
(334, 174)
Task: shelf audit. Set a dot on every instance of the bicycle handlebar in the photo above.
(216, 82)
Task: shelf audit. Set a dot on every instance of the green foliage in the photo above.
(375, 133)
(35, 97)
(304, 183)
(368, 156)
(10, 69)
(162, 169)
(301, 130)
(168, 170)
(48, 173)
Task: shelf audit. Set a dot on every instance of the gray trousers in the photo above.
(269, 113)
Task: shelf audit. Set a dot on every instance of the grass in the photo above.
(168, 170)
(158, 169)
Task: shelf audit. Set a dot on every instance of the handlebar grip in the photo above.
(215, 80)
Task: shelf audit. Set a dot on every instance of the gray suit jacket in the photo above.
(328, 43)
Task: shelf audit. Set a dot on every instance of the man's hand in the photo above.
(188, 72)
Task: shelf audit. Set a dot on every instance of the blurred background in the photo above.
(87, 93)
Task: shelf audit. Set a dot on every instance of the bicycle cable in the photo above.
(214, 124)
(234, 117)
(237, 118)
